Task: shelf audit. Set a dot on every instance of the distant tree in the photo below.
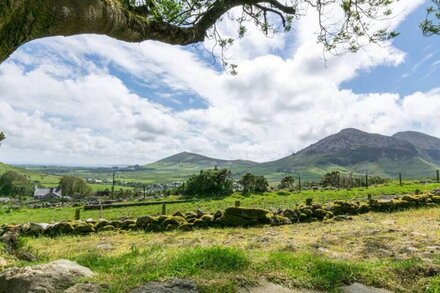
(14, 184)
(2, 137)
(213, 182)
(331, 179)
(72, 185)
(253, 184)
(287, 182)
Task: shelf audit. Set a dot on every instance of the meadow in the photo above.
(391, 251)
(269, 200)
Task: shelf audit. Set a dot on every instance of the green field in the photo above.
(270, 200)
(223, 260)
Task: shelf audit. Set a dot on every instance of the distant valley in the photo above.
(414, 154)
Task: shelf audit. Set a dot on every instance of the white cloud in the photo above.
(61, 101)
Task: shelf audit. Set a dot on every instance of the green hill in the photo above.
(352, 150)
(43, 179)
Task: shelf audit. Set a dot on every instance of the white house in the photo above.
(47, 193)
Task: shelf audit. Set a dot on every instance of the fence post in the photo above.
(366, 181)
(164, 209)
(237, 203)
(309, 201)
(438, 176)
(400, 178)
(299, 182)
(77, 214)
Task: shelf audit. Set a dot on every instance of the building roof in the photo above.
(41, 192)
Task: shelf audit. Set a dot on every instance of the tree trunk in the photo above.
(25, 20)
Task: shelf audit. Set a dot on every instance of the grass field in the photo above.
(272, 200)
(397, 251)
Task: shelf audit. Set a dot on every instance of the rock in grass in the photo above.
(48, 278)
(26, 256)
(360, 288)
(233, 221)
(278, 220)
(83, 228)
(218, 214)
(101, 223)
(143, 222)
(85, 288)
(128, 225)
(105, 228)
(248, 213)
(174, 286)
(62, 228)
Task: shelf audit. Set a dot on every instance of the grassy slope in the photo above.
(268, 200)
(44, 179)
(372, 249)
(48, 180)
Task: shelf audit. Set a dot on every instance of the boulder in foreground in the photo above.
(53, 277)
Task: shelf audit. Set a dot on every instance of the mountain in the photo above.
(202, 161)
(428, 146)
(352, 150)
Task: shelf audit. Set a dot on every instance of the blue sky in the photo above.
(94, 100)
(419, 72)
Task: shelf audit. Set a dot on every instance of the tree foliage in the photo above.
(337, 180)
(431, 25)
(14, 184)
(2, 137)
(72, 185)
(212, 182)
(344, 24)
(287, 182)
(253, 184)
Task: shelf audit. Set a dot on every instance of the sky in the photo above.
(92, 100)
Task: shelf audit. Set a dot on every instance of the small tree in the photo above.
(287, 182)
(253, 184)
(214, 182)
(2, 137)
(14, 184)
(331, 179)
(71, 185)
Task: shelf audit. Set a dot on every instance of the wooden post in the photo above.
(299, 182)
(366, 181)
(400, 178)
(77, 214)
(438, 176)
(339, 181)
(144, 191)
(237, 203)
(309, 201)
(164, 209)
(113, 186)
(369, 197)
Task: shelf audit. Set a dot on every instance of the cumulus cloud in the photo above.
(91, 99)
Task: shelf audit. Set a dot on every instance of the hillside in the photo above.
(414, 154)
(352, 150)
(44, 179)
(186, 158)
(428, 146)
